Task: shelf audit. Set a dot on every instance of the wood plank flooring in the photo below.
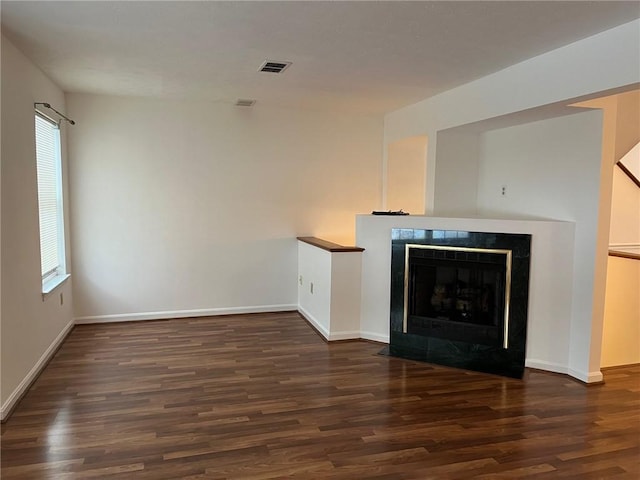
(263, 397)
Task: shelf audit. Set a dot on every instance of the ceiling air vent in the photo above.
(274, 67)
(243, 102)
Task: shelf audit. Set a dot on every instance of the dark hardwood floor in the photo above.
(263, 397)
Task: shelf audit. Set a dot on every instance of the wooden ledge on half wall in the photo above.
(631, 252)
(328, 246)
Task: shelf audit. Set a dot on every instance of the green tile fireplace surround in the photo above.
(460, 298)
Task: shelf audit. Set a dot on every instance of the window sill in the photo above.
(49, 287)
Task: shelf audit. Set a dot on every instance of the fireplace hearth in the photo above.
(460, 298)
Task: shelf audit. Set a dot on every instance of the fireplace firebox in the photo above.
(460, 298)
(459, 293)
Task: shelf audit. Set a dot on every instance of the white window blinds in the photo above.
(49, 198)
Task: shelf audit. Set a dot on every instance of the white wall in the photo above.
(625, 203)
(456, 171)
(31, 327)
(550, 169)
(314, 272)
(188, 208)
(346, 279)
(406, 170)
(621, 332)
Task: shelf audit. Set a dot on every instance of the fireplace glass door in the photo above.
(457, 293)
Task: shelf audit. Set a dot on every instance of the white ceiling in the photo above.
(369, 57)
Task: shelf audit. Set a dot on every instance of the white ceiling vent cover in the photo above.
(243, 102)
(271, 66)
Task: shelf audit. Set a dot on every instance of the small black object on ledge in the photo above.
(389, 212)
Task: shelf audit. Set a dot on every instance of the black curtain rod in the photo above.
(48, 105)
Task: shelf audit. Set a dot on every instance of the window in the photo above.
(49, 165)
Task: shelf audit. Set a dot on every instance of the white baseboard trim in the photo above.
(546, 366)
(26, 382)
(322, 330)
(163, 315)
(586, 377)
(313, 321)
(376, 337)
(344, 336)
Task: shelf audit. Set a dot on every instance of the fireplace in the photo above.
(460, 298)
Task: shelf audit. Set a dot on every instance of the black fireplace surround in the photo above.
(460, 298)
